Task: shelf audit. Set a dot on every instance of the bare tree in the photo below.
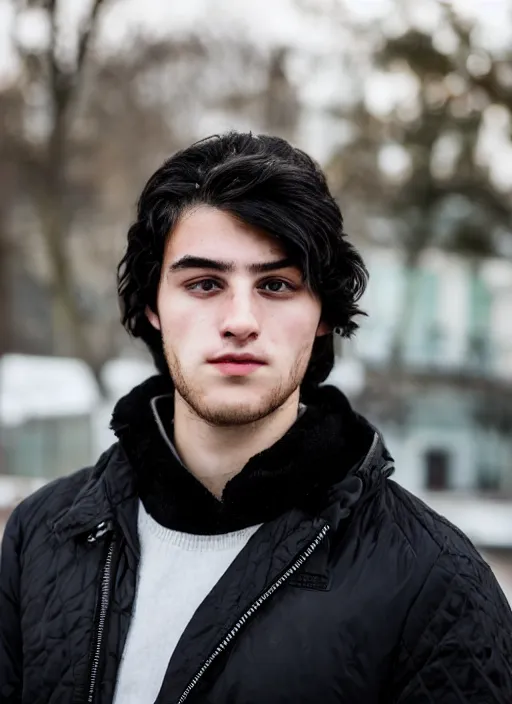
(59, 81)
(110, 120)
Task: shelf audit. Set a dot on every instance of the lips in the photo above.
(237, 359)
(237, 364)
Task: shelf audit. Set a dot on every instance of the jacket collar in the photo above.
(322, 466)
(109, 486)
(301, 470)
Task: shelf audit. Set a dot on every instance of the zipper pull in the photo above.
(99, 531)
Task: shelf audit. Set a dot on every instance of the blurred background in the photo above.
(405, 103)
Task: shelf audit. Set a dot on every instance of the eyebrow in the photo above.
(190, 262)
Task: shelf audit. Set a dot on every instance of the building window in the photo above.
(47, 447)
(488, 479)
(437, 469)
(480, 308)
(422, 334)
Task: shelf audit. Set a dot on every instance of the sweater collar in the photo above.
(299, 471)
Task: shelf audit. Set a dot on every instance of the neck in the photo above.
(214, 454)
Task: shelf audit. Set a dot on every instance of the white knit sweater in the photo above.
(176, 572)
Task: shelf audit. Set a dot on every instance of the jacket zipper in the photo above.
(250, 611)
(106, 579)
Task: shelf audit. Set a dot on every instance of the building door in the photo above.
(437, 469)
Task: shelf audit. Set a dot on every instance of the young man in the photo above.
(242, 542)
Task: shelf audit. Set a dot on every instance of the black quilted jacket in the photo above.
(370, 597)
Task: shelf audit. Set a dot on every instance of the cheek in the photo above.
(182, 326)
(173, 320)
(296, 329)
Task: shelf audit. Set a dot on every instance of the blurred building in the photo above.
(446, 406)
(52, 417)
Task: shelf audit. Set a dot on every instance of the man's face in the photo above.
(237, 322)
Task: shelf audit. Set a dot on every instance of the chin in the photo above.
(234, 404)
(232, 412)
(232, 417)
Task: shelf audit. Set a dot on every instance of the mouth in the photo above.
(237, 364)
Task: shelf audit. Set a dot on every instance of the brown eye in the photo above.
(277, 286)
(203, 286)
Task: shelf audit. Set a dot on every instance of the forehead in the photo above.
(214, 234)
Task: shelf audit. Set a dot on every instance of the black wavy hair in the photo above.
(264, 182)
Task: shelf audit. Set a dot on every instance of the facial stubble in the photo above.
(230, 415)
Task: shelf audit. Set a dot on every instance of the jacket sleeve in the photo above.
(10, 627)
(457, 641)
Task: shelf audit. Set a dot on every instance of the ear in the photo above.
(323, 329)
(153, 318)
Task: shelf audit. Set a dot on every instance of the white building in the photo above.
(460, 313)
(454, 429)
(52, 419)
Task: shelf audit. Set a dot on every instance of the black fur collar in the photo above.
(297, 471)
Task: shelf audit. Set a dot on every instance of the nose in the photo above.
(239, 317)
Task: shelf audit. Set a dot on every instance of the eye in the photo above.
(203, 286)
(277, 286)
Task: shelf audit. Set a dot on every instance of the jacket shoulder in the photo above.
(450, 564)
(424, 528)
(459, 624)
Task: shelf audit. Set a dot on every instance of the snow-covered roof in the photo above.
(121, 375)
(32, 386)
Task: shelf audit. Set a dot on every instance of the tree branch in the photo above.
(58, 83)
(86, 35)
(64, 84)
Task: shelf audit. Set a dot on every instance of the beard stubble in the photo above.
(239, 414)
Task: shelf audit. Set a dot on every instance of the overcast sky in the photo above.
(265, 21)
